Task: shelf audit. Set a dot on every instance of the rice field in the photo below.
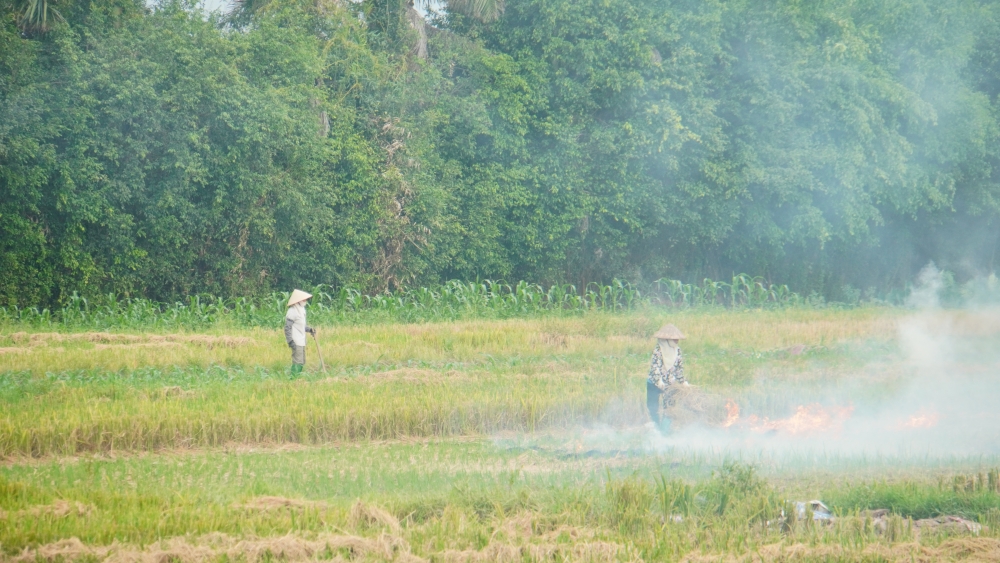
(502, 439)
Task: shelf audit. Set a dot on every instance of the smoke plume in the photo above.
(932, 392)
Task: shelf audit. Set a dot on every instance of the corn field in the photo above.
(452, 300)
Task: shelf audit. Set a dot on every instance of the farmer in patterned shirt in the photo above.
(665, 369)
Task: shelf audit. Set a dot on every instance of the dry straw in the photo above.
(293, 548)
(278, 503)
(958, 549)
(212, 547)
(58, 509)
(364, 515)
(688, 405)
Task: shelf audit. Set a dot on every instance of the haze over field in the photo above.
(932, 394)
(497, 205)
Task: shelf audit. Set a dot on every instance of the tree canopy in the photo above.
(158, 152)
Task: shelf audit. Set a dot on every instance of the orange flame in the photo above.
(922, 419)
(807, 418)
(732, 413)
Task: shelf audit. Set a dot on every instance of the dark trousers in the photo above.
(653, 401)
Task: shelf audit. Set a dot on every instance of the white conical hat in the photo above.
(669, 332)
(298, 296)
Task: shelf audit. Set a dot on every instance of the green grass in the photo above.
(513, 439)
(427, 485)
(453, 300)
(917, 500)
(394, 381)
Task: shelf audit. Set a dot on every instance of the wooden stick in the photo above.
(320, 352)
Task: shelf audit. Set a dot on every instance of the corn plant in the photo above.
(452, 300)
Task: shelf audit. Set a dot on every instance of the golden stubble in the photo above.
(588, 336)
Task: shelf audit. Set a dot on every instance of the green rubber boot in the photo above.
(297, 369)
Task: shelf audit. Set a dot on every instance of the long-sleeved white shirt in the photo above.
(296, 314)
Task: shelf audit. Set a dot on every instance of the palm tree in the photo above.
(35, 16)
(482, 10)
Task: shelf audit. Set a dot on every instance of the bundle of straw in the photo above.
(685, 405)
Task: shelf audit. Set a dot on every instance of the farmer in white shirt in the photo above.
(296, 329)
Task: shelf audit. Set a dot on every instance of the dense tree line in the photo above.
(161, 151)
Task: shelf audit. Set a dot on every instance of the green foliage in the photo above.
(449, 301)
(734, 498)
(37, 15)
(744, 291)
(387, 23)
(184, 168)
(629, 502)
(162, 153)
(483, 10)
(916, 500)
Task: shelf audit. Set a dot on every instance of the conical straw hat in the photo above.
(298, 296)
(669, 332)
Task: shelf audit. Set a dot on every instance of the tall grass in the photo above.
(449, 301)
(918, 499)
(97, 391)
(594, 335)
(453, 501)
(118, 418)
(532, 477)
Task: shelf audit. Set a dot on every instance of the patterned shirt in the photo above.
(661, 376)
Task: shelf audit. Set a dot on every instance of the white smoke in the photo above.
(937, 394)
(926, 294)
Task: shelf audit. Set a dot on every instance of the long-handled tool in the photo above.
(320, 352)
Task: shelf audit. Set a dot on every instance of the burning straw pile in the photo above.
(685, 405)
